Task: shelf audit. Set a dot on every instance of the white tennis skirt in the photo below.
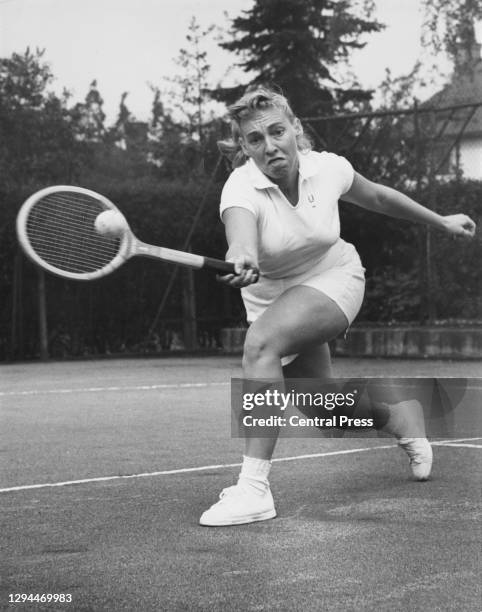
(339, 275)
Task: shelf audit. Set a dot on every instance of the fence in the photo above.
(434, 154)
(429, 153)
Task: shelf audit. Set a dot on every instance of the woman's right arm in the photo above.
(242, 237)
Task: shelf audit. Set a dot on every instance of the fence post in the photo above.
(16, 342)
(189, 320)
(431, 307)
(418, 186)
(42, 312)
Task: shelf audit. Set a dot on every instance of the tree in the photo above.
(183, 117)
(24, 79)
(36, 140)
(88, 116)
(450, 26)
(120, 129)
(166, 140)
(299, 45)
(125, 151)
(190, 96)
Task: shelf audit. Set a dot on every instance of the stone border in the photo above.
(411, 342)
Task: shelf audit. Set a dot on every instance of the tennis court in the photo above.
(107, 466)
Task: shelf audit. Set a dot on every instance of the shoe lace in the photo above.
(233, 491)
(415, 454)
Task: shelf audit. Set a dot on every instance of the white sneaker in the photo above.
(420, 454)
(239, 504)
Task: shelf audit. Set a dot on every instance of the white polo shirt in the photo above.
(292, 239)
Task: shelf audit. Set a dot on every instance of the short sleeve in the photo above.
(342, 170)
(237, 191)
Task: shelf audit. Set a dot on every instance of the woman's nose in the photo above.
(269, 145)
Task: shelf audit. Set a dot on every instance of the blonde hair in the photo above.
(253, 100)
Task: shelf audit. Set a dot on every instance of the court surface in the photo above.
(106, 467)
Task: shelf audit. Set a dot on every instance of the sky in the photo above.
(127, 44)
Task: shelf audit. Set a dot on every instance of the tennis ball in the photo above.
(111, 223)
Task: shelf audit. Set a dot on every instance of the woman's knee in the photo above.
(258, 346)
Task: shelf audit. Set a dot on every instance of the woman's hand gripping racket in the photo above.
(78, 234)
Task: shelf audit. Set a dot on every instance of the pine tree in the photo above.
(298, 45)
(189, 96)
(183, 116)
(165, 138)
(89, 116)
(121, 126)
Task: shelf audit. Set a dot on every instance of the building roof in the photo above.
(464, 87)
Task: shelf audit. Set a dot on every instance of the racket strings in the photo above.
(61, 230)
(57, 254)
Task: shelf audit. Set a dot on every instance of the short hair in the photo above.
(259, 98)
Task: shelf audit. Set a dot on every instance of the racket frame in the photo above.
(130, 246)
(22, 217)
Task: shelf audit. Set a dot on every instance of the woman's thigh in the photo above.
(312, 362)
(299, 319)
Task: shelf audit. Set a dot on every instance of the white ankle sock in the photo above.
(255, 472)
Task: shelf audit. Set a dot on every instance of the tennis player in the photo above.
(280, 210)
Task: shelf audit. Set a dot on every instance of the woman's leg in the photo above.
(313, 362)
(301, 321)
(400, 409)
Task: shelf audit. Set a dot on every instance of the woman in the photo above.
(280, 210)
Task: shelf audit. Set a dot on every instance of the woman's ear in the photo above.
(298, 127)
(243, 146)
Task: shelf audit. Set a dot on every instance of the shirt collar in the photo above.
(257, 178)
(307, 169)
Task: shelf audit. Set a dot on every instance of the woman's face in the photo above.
(269, 138)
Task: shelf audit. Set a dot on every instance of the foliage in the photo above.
(389, 250)
(456, 263)
(115, 313)
(189, 93)
(88, 117)
(159, 171)
(297, 45)
(36, 139)
(183, 119)
(450, 25)
(46, 141)
(399, 92)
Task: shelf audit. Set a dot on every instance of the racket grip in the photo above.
(218, 264)
(222, 266)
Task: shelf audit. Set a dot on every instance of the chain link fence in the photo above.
(414, 274)
(435, 156)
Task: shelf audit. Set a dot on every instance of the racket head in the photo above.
(55, 227)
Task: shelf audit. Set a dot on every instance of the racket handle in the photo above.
(218, 264)
(222, 266)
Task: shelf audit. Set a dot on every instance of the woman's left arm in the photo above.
(388, 201)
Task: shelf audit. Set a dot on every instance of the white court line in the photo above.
(462, 445)
(129, 388)
(116, 388)
(183, 470)
(455, 441)
(202, 468)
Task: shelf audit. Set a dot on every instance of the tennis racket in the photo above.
(56, 228)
